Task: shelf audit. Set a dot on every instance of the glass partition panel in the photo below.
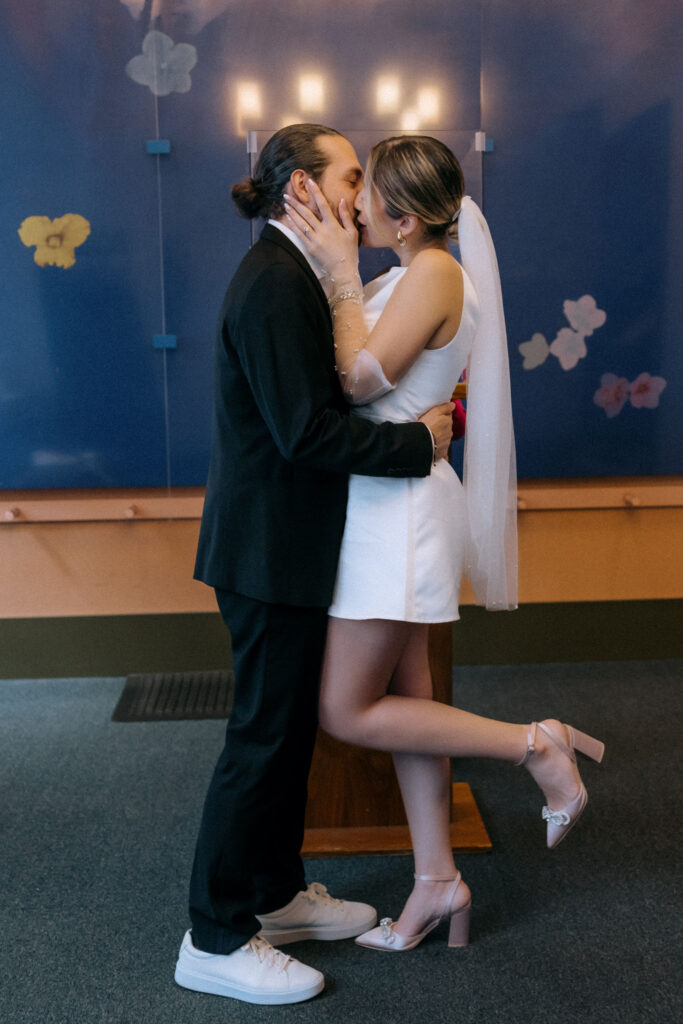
(123, 128)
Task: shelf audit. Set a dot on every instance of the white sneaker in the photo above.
(314, 914)
(255, 973)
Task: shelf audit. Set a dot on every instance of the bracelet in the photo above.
(345, 293)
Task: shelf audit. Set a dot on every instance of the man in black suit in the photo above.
(283, 446)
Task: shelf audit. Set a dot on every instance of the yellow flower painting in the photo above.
(55, 240)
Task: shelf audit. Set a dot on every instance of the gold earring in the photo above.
(401, 239)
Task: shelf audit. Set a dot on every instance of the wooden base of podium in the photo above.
(468, 833)
(354, 802)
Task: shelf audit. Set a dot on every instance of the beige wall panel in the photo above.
(126, 568)
(145, 566)
(601, 555)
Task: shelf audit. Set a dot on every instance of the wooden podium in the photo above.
(354, 802)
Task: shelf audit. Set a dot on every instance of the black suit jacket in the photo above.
(283, 442)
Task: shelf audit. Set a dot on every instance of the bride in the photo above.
(401, 344)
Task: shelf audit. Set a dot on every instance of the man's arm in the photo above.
(280, 333)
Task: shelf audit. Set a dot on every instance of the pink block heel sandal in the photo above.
(386, 937)
(561, 821)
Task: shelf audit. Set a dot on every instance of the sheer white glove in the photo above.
(364, 381)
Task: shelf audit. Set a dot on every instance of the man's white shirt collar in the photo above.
(295, 240)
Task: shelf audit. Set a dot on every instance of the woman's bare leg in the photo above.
(361, 658)
(425, 783)
(376, 691)
(395, 657)
(357, 706)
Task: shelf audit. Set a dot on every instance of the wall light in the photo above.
(311, 93)
(248, 99)
(428, 104)
(410, 120)
(249, 105)
(387, 94)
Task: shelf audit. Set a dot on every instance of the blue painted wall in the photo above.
(581, 190)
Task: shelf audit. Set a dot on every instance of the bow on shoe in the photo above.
(555, 817)
(387, 930)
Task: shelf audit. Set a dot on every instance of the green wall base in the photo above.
(116, 645)
(590, 631)
(124, 644)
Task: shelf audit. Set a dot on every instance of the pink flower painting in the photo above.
(645, 391)
(612, 394)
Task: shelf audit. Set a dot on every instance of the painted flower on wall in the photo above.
(645, 391)
(570, 342)
(163, 66)
(612, 394)
(535, 351)
(55, 240)
(584, 315)
(569, 347)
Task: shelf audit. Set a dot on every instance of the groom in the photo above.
(283, 446)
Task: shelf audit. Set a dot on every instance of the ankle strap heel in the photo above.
(459, 929)
(437, 878)
(530, 746)
(387, 938)
(561, 820)
(586, 744)
(459, 926)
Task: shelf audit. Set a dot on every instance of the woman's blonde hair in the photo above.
(417, 175)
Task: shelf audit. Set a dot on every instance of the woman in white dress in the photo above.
(401, 345)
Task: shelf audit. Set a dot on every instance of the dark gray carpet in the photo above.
(98, 826)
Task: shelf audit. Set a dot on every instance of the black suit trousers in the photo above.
(248, 859)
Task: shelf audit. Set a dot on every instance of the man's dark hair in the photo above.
(291, 148)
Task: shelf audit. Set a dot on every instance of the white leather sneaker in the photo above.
(254, 973)
(314, 914)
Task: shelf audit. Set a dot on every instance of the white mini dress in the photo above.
(404, 540)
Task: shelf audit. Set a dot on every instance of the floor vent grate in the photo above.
(173, 696)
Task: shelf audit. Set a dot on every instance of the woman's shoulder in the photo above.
(435, 265)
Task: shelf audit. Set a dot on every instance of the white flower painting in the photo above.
(535, 351)
(163, 66)
(569, 345)
(584, 315)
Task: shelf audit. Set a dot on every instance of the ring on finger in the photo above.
(307, 230)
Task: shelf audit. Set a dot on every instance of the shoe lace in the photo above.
(317, 893)
(264, 952)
